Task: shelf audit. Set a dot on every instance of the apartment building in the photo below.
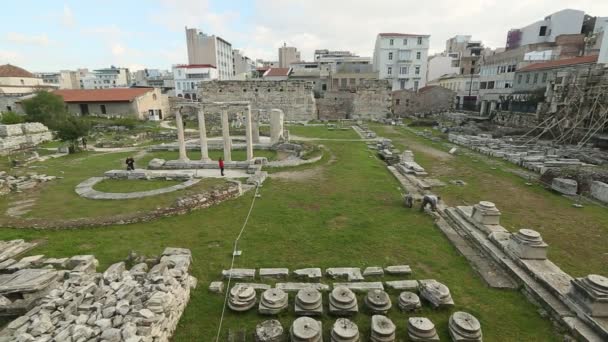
(112, 77)
(212, 50)
(288, 55)
(187, 78)
(402, 58)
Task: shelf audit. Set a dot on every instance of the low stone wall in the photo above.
(181, 206)
(85, 189)
(14, 137)
(335, 105)
(370, 100)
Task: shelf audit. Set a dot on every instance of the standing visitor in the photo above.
(130, 164)
(221, 163)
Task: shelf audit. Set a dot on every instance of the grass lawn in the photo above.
(350, 214)
(321, 132)
(132, 185)
(577, 237)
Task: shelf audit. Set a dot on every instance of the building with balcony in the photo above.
(210, 49)
(402, 58)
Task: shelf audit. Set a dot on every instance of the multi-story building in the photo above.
(210, 49)
(465, 53)
(111, 77)
(325, 53)
(64, 79)
(153, 78)
(288, 55)
(567, 21)
(439, 65)
(465, 88)
(188, 76)
(402, 59)
(242, 66)
(16, 82)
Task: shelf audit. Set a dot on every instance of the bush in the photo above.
(72, 129)
(47, 108)
(11, 118)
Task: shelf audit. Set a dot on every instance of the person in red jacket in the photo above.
(221, 162)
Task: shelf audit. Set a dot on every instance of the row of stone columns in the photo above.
(227, 142)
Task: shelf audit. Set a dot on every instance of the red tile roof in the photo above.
(277, 72)
(560, 63)
(8, 70)
(389, 34)
(190, 66)
(101, 95)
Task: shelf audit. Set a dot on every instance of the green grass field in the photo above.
(321, 132)
(348, 213)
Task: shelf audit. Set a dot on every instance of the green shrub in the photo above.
(10, 118)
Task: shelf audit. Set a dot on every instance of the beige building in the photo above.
(210, 49)
(288, 55)
(16, 82)
(141, 103)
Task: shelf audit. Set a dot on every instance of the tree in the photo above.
(72, 129)
(47, 108)
(10, 118)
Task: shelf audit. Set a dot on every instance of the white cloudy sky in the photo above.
(51, 35)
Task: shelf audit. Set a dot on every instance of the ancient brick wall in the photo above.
(372, 100)
(428, 99)
(295, 98)
(514, 119)
(335, 105)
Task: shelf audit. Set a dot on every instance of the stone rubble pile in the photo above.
(306, 329)
(378, 301)
(10, 183)
(421, 329)
(272, 302)
(344, 330)
(464, 327)
(387, 151)
(383, 329)
(242, 298)
(342, 302)
(117, 305)
(17, 136)
(436, 293)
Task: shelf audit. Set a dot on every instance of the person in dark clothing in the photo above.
(432, 200)
(408, 200)
(130, 164)
(221, 163)
(84, 142)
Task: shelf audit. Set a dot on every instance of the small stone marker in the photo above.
(421, 329)
(378, 301)
(345, 330)
(342, 302)
(274, 273)
(383, 329)
(269, 331)
(309, 302)
(464, 327)
(453, 150)
(409, 301)
(373, 271)
(216, 287)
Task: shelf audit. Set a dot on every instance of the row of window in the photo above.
(456, 86)
(501, 69)
(404, 55)
(186, 85)
(404, 70)
(534, 78)
(495, 85)
(391, 41)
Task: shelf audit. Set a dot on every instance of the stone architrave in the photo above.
(591, 292)
(528, 244)
(203, 135)
(181, 140)
(276, 125)
(226, 135)
(248, 133)
(486, 212)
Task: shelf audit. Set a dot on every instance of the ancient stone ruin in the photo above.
(591, 292)
(242, 298)
(306, 329)
(269, 331)
(309, 302)
(436, 293)
(378, 302)
(464, 327)
(31, 180)
(344, 330)
(272, 302)
(421, 329)
(383, 329)
(409, 301)
(342, 302)
(19, 136)
(528, 244)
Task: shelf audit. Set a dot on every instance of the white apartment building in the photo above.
(188, 76)
(402, 59)
(64, 79)
(111, 77)
(440, 65)
(567, 21)
(210, 49)
(288, 55)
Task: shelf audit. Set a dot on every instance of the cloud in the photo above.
(20, 38)
(67, 17)
(118, 50)
(11, 57)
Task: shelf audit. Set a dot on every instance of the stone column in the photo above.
(255, 127)
(492, 106)
(226, 135)
(484, 105)
(203, 134)
(181, 141)
(276, 125)
(248, 137)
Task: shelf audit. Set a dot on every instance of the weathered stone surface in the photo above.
(409, 301)
(565, 186)
(13, 248)
(256, 286)
(309, 273)
(398, 270)
(378, 301)
(373, 271)
(309, 302)
(436, 293)
(27, 281)
(342, 301)
(421, 329)
(599, 191)
(410, 285)
(25, 263)
(464, 327)
(269, 331)
(591, 292)
(242, 298)
(486, 213)
(351, 273)
(383, 329)
(239, 273)
(272, 302)
(216, 287)
(528, 244)
(344, 330)
(274, 273)
(294, 287)
(306, 329)
(363, 287)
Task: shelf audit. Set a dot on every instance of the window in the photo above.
(9, 108)
(390, 42)
(389, 71)
(491, 85)
(543, 31)
(472, 62)
(179, 86)
(416, 85)
(417, 70)
(508, 85)
(527, 78)
(402, 84)
(398, 101)
(153, 97)
(403, 70)
(472, 70)
(404, 41)
(519, 78)
(483, 85)
(503, 69)
(535, 78)
(324, 87)
(103, 109)
(390, 56)
(419, 40)
(544, 77)
(418, 55)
